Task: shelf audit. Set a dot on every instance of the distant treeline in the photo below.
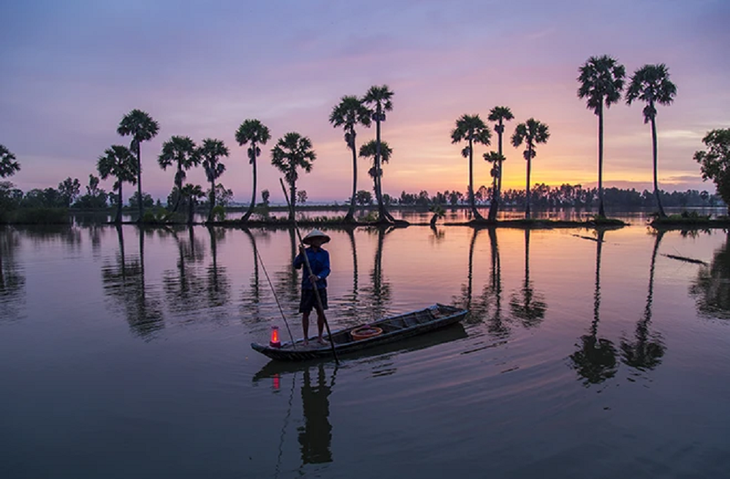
(68, 195)
(544, 196)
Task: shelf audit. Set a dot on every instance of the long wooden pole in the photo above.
(309, 269)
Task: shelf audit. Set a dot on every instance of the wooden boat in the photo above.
(382, 331)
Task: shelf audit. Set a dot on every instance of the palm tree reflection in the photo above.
(287, 280)
(528, 305)
(252, 297)
(495, 324)
(379, 289)
(647, 349)
(711, 289)
(465, 300)
(12, 281)
(184, 286)
(595, 361)
(352, 307)
(219, 287)
(124, 282)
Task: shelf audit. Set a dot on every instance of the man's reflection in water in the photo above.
(315, 438)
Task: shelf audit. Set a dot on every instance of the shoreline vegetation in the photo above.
(161, 217)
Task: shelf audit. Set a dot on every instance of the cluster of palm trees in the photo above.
(124, 164)
(291, 153)
(602, 83)
(473, 129)
(351, 112)
(181, 152)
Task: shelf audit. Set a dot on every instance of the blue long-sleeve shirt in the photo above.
(320, 262)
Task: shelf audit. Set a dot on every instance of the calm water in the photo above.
(125, 353)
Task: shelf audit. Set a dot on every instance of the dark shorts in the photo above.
(309, 300)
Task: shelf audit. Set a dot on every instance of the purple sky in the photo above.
(72, 69)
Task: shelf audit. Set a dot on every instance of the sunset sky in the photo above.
(72, 69)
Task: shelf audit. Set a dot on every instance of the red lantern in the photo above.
(275, 343)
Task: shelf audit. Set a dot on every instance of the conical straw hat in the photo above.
(315, 234)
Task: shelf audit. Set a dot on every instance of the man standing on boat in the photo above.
(319, 260)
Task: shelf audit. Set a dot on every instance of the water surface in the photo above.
(125, 353)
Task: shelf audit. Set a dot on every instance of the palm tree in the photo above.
(293, 151)
(256, 133)
(602, 81)
(348, 113)
(192, 194)
(141, 127)
(378, 98)
(211, 151)
(180, 150)
(651, 84)
(495, 159)
(8, 165)
(474, 130)
(500, 114)
(370, 150)
(119, 162)
(531, 132)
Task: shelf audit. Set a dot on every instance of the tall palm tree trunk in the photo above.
(140, 207)
(378, 189)
(497, 193)
(212, 201)
(601, 211)
(118, 218)
(499, 187)
(527, 189)
(253, 195)
(292, 199)
(656, 174)
(178, 183)
(351, 211)
(191, 210)
(471, 182)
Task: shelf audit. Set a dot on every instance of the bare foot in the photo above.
(306, 342)
(321, 341)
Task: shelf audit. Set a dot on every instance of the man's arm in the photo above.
(325, 265)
